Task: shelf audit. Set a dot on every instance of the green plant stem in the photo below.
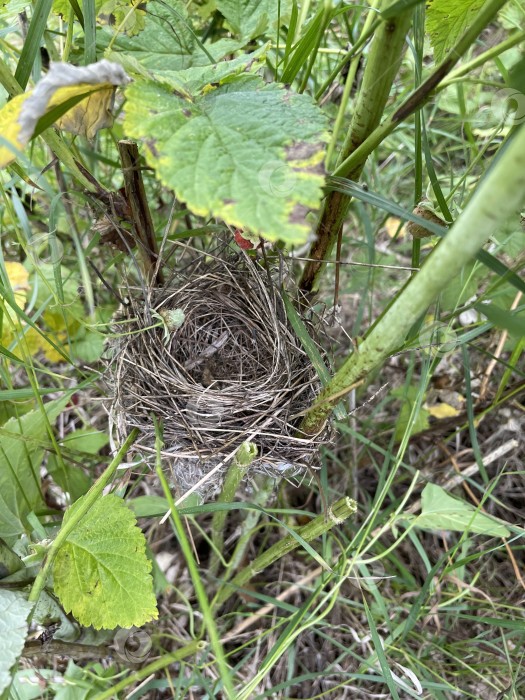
(380, 71)
(69, 34)
(513, 40)
(8, 81)
(265, 486)
(501, 191)
(354, 64)
(418, 98)
(353, 160)
(198, 585)
(178, 655)
(338, 513)
(81, 508)
(235, 474)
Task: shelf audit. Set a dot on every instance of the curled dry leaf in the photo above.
(62, 84)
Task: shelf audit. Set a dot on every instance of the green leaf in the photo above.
(441, 511)
(101, 574)
(446, 20)
(9, 561)
(87, 441)
(88, 345)
(168, 41)
(311, 350)
(149, 506)
(32, 41)
(251, 18)
(114, 12)
(512, 321)
(246, 152)
(517, 79)
(21, 455)
(190, 80)
(14, 611)
(408, 399)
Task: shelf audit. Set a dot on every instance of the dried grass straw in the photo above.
(234, 368)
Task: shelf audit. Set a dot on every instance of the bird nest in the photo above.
(228, 369)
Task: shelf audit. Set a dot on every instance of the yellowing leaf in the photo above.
(62, 87)
(18, 277)
(392, 225)
(89, 115)
(442, 410)
(10, 129)
(50, 352)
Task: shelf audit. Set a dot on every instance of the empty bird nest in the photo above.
(213, 355)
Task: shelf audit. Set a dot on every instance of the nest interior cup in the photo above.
(233, 370)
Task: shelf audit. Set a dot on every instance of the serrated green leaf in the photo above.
(441, 511)
(251, 18)
(446, 20)
(246, 152)
(168, 41)
(190, 80)
(101, 574)
(21, 454)
(14, 611)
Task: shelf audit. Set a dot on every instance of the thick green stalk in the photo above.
(80, 509)
(380, 71)
(337, 514)
(418, 98)
(500, 192)
(354, 65)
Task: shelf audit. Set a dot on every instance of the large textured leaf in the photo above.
(21, 455)
(102, 574)
(168, 41)
(188, 81)
(446, 20)
(246, 152)
(441, 511)
(14, 610)
(251, 18)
